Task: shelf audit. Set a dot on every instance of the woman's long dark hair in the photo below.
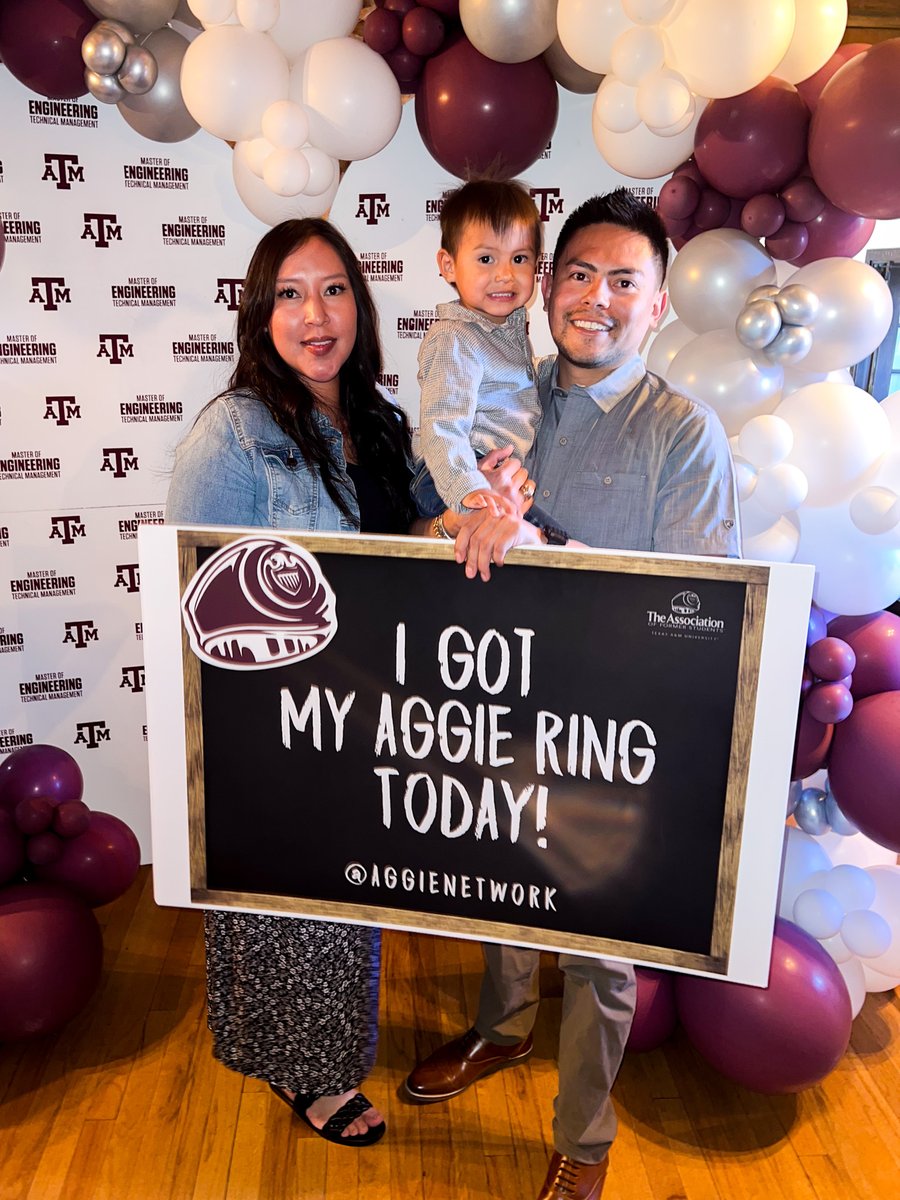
(380, 431)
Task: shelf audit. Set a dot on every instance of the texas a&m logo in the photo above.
(128, 576)
(373, 206)
(115, 347)
(61, 409)
(90, 734)
(63, 170)
(120, 460)
(66, 529)
(549, 201)
(50, 291)
(79, 633)
(133, 677)
(229, 293)
(101, 229)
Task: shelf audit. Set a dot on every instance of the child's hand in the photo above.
(509, 479)
(496, 504)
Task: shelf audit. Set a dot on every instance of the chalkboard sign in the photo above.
(560, 757)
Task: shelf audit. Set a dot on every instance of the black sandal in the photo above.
(334, 1127)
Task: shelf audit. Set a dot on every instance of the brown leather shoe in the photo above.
(568, 1179)
(459, 1063)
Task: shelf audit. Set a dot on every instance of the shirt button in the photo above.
(607, 480)
(563, 441)
(546, 494)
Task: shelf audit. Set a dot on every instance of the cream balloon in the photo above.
(263, 202)
(229, 78)
(818, 28)
(744, 477)
(875, 510)
(213, 12)
(781, 489)
(254, 153)
(509, 31)
(765, 440)
(285, 124)
(854, 314)
(717, 369)
(616, 105)
(647, 12)
(257, 15)
(588, 29)
(855, 573)
(778, 543)
(286, 171)
(666, 344)
(641, 153)
(876, 982)
(887, 904)
(726, 49)
(840, 436)
(712, 276)
(664, 100)
(324, 171)
(636, 53)
(350, 95)
(855, 979)
(302, 23)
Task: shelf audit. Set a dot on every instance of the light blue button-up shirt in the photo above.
(628, 464)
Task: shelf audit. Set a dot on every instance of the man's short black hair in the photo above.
(622, 208)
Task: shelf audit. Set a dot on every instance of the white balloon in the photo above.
(265, 205)
(726, 49)
(664, 100)
(855, 572)
(616, 105)
(255, 152)
(258, 15)
(866, 933)
(712, 276)
(818, 28)
(286, 172)
(853, 886)
(876, 982)
(324, 171)
(837, 948)
(818, 912)
(302, 23)
(510, 32)
(666, 344)
(855, 979)
(716, 368)
(782, 488)
(588, 30)
(636, 53)
(887, 905)
(875, 510)
(840, 434)
(351, 96)
(213, 12)
(229, 77)
(642, 153)
(801, 856)
(855, 311)
(285, 124)
(766, 440)
(778, 543)
(647, 12)
(858, 850)
(744, 477)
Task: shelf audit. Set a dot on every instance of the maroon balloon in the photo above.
(762, 215)
(51, 954)
(864, 768)
(678, 197)
(475, 114)
(100, 864)
(781, 1038)
(40, 770)
(447, 8)
(690, 170)
(381, 31)
(831, 658)
(875, 640)
(802, 199)
(813, 745)
(71, 818)
(43, 849)
(834, 234)
(854, 138)
(33, 815)
(40, 43)
(423, 31)
(655, 1017)
(829, 703)
(811, 89)
(407, 68)
(712, 209)
(12, 848)
(401, 7)
(754, 142)
(789, 242)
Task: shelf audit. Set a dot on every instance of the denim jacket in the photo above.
(237, 467)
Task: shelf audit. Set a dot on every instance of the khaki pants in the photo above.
(598, 1006)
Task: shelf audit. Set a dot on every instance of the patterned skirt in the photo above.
(292, 1001)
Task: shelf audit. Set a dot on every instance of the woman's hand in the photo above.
(484, 540)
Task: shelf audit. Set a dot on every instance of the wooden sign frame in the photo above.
(769, 663)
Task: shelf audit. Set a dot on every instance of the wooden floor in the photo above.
(128, 1104)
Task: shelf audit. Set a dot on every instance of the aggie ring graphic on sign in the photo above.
(259, 602)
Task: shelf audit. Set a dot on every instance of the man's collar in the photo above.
(607, 392)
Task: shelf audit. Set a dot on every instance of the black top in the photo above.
(378, 510)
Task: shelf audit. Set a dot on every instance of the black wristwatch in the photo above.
(554, 535)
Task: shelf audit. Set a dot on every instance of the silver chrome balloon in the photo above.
(143, 16)
(138, 72)
(810, 812)
(118, 29)
(103, 51)
(768, 291)
(758, 324)
(839, 823)
(794, 790)
(798, 304)
(789, 346)
(105, 88)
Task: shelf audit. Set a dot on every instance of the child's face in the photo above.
(493, 272)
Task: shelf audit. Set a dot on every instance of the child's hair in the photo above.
(494, 202)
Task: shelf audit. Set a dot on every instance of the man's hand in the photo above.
(484, 540)
(508, 478)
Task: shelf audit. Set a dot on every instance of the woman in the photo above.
(303, 439)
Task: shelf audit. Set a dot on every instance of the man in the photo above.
(620, 462)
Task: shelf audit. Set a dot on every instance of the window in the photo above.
(879, 374)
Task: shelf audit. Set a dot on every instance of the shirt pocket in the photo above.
(630, 485)
(292, 487)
